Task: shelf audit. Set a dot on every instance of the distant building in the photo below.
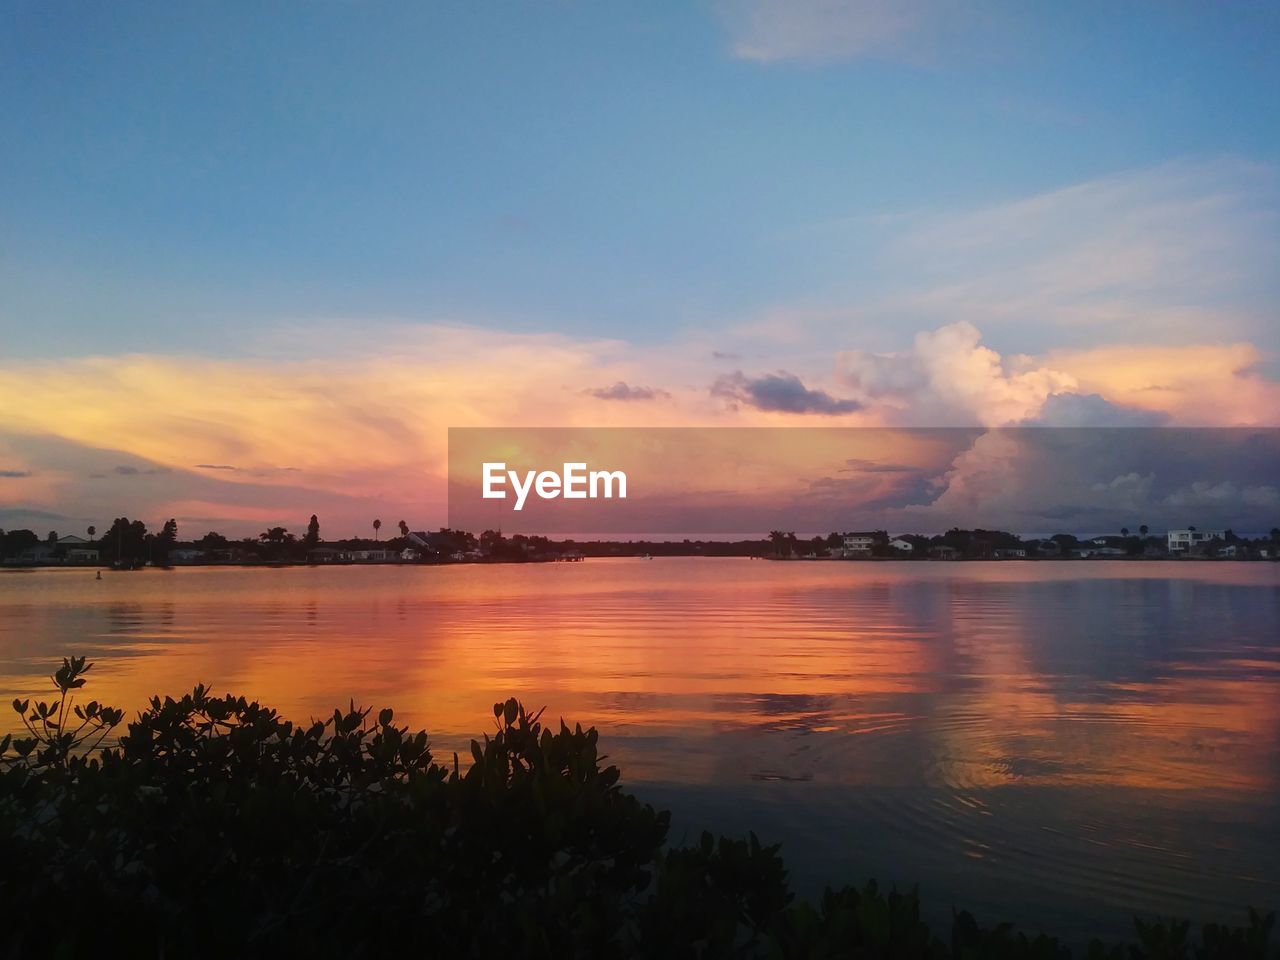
(326, 555)
(1104, 552)
(71, 540)
(1180, 541)
(1010, 553)
(858, 544)
(40, 553)
(372, 556)
(906, 546)
(944, 552)
(82, 555)
(185, 555)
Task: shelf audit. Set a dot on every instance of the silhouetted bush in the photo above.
(216, 828)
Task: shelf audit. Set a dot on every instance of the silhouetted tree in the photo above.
(781, 541)
(277, 541)
(92, 531)
(377, 525)
(404, 529)
(1143, 530)
(1124, 531)
(166, 540)
(129, 538)
(15, 541)
(312, 539)
(51, 537)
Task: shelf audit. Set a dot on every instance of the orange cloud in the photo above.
(1204, 384)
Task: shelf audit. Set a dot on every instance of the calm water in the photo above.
(1060, 744)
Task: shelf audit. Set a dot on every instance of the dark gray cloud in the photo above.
(15, 474)
(779, 392)
(724, 355)
(216, 466)
(624, 391)
(15, 516)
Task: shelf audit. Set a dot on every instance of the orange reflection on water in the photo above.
(1100, 737)
(974, 674)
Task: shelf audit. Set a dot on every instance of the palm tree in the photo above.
(1124, 531)
(377, 525)
(92, 531)
(1143, 529)
(777, 538)
(404, 529)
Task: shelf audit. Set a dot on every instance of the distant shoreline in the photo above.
(282, 564)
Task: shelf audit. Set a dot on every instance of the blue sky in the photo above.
(177, 175)
(257, 258)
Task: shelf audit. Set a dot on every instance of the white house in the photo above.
(368, 556)
(906, 546)
(859, 544)
(1181, 541)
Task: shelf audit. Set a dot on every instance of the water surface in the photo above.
(1060, 744)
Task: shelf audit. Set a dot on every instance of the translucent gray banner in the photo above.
(724, 482)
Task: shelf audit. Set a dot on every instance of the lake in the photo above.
(1056, 743)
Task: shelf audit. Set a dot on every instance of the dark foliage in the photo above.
(216, 828)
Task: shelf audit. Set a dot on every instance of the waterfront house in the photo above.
(372, 556)
(906, 546)
(1010, 553)
(185, 555)
(1109, 552)
(40, 553)
(326, 555)
(1180, 541)
(858, 545)
(944, 552)
(75, 549)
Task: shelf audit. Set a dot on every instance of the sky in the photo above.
(256, 259)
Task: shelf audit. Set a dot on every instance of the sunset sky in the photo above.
(256, 259)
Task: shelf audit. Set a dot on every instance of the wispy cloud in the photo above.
(1165, 253)
(625, 391)
(824, 30)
